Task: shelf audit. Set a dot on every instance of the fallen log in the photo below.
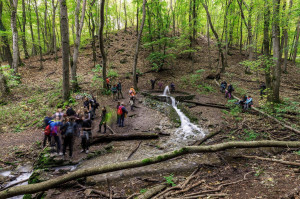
(269, 116)
(201, 141)
(123, 137)
(220, 106)
(134, 150)
(54, 182)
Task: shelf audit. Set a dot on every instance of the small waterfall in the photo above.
(166, 91)
(187, 130)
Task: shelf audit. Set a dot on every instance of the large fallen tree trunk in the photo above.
(122, 137)
(42, 186)
(220, 106)
(269, 116)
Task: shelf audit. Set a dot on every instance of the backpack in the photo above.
(54, 130)
(120, 111)
(47, 130)
(70, 129)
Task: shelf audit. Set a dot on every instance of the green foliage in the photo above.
(112, 74)
(157, 59)
(250, 135)
(143, 191)
(12, 80)
(297, 152)
(169, 180)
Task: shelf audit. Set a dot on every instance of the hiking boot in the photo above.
(60, 153)
(87, 151)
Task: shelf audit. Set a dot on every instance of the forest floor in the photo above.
(250, 178)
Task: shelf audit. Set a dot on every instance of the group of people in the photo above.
(246, 102)
(160, 85)
(116, 90)
(63, 127)
(227, 90)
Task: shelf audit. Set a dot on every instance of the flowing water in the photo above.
(188, 132)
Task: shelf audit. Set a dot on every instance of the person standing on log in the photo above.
(103, 120)
(122, 112)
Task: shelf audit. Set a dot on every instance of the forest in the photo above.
(197, 98)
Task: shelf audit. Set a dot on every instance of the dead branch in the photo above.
(189, 188)
(201, 141)
(113, 132)
(153, 191)
(220, 106)
(54, 182)
(134, 150)
(133, 195)
(190, 178)
(272, 160)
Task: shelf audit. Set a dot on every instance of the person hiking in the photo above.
(132, 92)
(114, 92)
(122, 112)
(54, 133)
(107, 83)
(59, 113)
(262, 88)
(86, 103)
(78, 120)
(119, 89)
(86, 134)
(242, 101)
(229, 91)
(69, 129)
(47, 130)
(223, 86)
(103, 120)
(118, 116)
(160, 85)
(172, 86)
(248, 103)
(152, 83)
(70, 111)
(131, 102)
(87, 112)
(93, 106)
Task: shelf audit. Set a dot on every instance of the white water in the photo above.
(187, 131)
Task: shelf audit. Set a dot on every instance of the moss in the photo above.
(176, 152)
(27, 196)
(174, 117)
(146, 161)
(35, 177)
(159, 158)
(183, 150)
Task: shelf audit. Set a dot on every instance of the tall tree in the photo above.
(138, 45)
(125, 13)
(39, 35)
(276, 51)
(65, 43)
(14, 7)
(31, 28)
(24, 30)
(286, 37)
(296, 41)
(4, 38)
(54, 6)
(224, 63)
(78, 27)
(104, 58)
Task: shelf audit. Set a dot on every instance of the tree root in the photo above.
(134, 150)
(272, 160)
(153, 191)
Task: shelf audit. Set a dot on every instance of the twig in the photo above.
(273, 160)
(134, 150)
(113, 132)
(190, 178)
(133, 195)
(207, 195)
(189, 188)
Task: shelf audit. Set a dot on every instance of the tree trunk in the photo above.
(137, 17)
(23, 30)
(286, 37)
(104, 58)
(208, 43)
(93, 27)
(125, 15)
(42, 186)
(276, 72)
(15, 63)
(138, 45)
(54, 6)
(296, 42)
(39, 36)
(4, 90)
(4, 38)
(78, 27)
(65, 43)
(45, 26)
(224, 63)
(31, 29)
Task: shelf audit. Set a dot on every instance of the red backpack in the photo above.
(47, 130)
(120, 111)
